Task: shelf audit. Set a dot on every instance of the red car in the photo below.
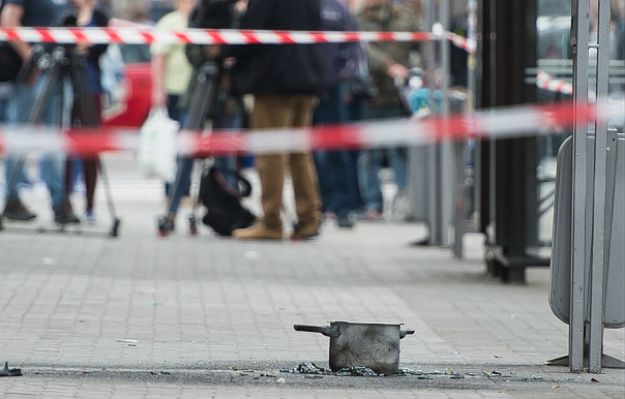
(137, 98)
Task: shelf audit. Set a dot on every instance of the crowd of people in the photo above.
(291, 86)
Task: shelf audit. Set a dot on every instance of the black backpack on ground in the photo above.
(224, 212)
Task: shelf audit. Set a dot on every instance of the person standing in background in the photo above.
(171, 73)
(337, 178)
(40, 13)
(285, 81)
(389, 64)
(88, 111)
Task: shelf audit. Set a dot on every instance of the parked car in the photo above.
(135, 105)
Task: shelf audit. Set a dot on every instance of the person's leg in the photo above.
(398, 158)
(269, 111)
(174, 113)
(324, 178)
(369, 163)
(228, 119)
(305, 187)
(90, 164)
(334, 172)
(17, 112)
(54, 163)
(90, 171)
(182, 185)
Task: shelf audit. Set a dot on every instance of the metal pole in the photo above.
(447, 160)
(433, 200)
(595, 350)
(579, 43)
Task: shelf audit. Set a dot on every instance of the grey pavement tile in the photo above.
(70, 301)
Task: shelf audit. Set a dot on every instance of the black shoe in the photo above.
(65, 215)
(16, 210)
(345, 222)
(166, 226)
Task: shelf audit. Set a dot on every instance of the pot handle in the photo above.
(332, 332)
(402, 334)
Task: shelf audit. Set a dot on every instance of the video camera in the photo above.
(213, 14)
(210, 14)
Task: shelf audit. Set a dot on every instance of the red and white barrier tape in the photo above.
(148, 35)
(495, 124)
(548, 82)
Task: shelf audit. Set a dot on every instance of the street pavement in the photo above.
(85, 315)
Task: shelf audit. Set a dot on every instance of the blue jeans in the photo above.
(52, 165)
(370, 161)
(338, 182)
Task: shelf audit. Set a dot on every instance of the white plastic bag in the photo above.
(157, 145)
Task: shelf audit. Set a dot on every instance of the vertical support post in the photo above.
(595, 349)
(446, 165)
(432, 178)
(579, 43)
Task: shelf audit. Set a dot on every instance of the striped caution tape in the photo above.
(548, 82)
(494, 124)
(126, 34)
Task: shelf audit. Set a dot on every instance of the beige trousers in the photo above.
(273, 111)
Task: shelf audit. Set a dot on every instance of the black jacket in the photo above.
(279, 69)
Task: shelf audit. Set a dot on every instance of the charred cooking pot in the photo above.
(375, 346)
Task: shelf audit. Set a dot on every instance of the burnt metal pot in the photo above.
(375, 346)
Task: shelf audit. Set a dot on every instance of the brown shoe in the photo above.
(305, 231)
(257, 232)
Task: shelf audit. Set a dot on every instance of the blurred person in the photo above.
(337, 177)
(171, 71)
(225, 109)
(87, 15)
(106, 6)
(285, 81)
(138, 14)
(40, 13)
(5, 95)
(389, 63)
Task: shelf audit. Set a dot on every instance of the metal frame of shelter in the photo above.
(588, 273)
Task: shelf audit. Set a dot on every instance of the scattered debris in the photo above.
(305, 368)
(555, 386)
(313, 376)
(594, 380)
(357, 372)
(268, 375)
(493, 373)
(409, 372)
(281, 381)
(128, 341)
(7, 372)
(456, 376)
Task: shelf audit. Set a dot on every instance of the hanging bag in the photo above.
(157, 145)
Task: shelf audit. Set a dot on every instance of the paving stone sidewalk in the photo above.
(89, 316)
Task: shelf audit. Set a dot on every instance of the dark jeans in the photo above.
(370, 161)
(338, 184)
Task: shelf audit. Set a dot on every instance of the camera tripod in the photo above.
(62, 63)
(202, 103)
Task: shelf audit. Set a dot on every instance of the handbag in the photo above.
(157, 145)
